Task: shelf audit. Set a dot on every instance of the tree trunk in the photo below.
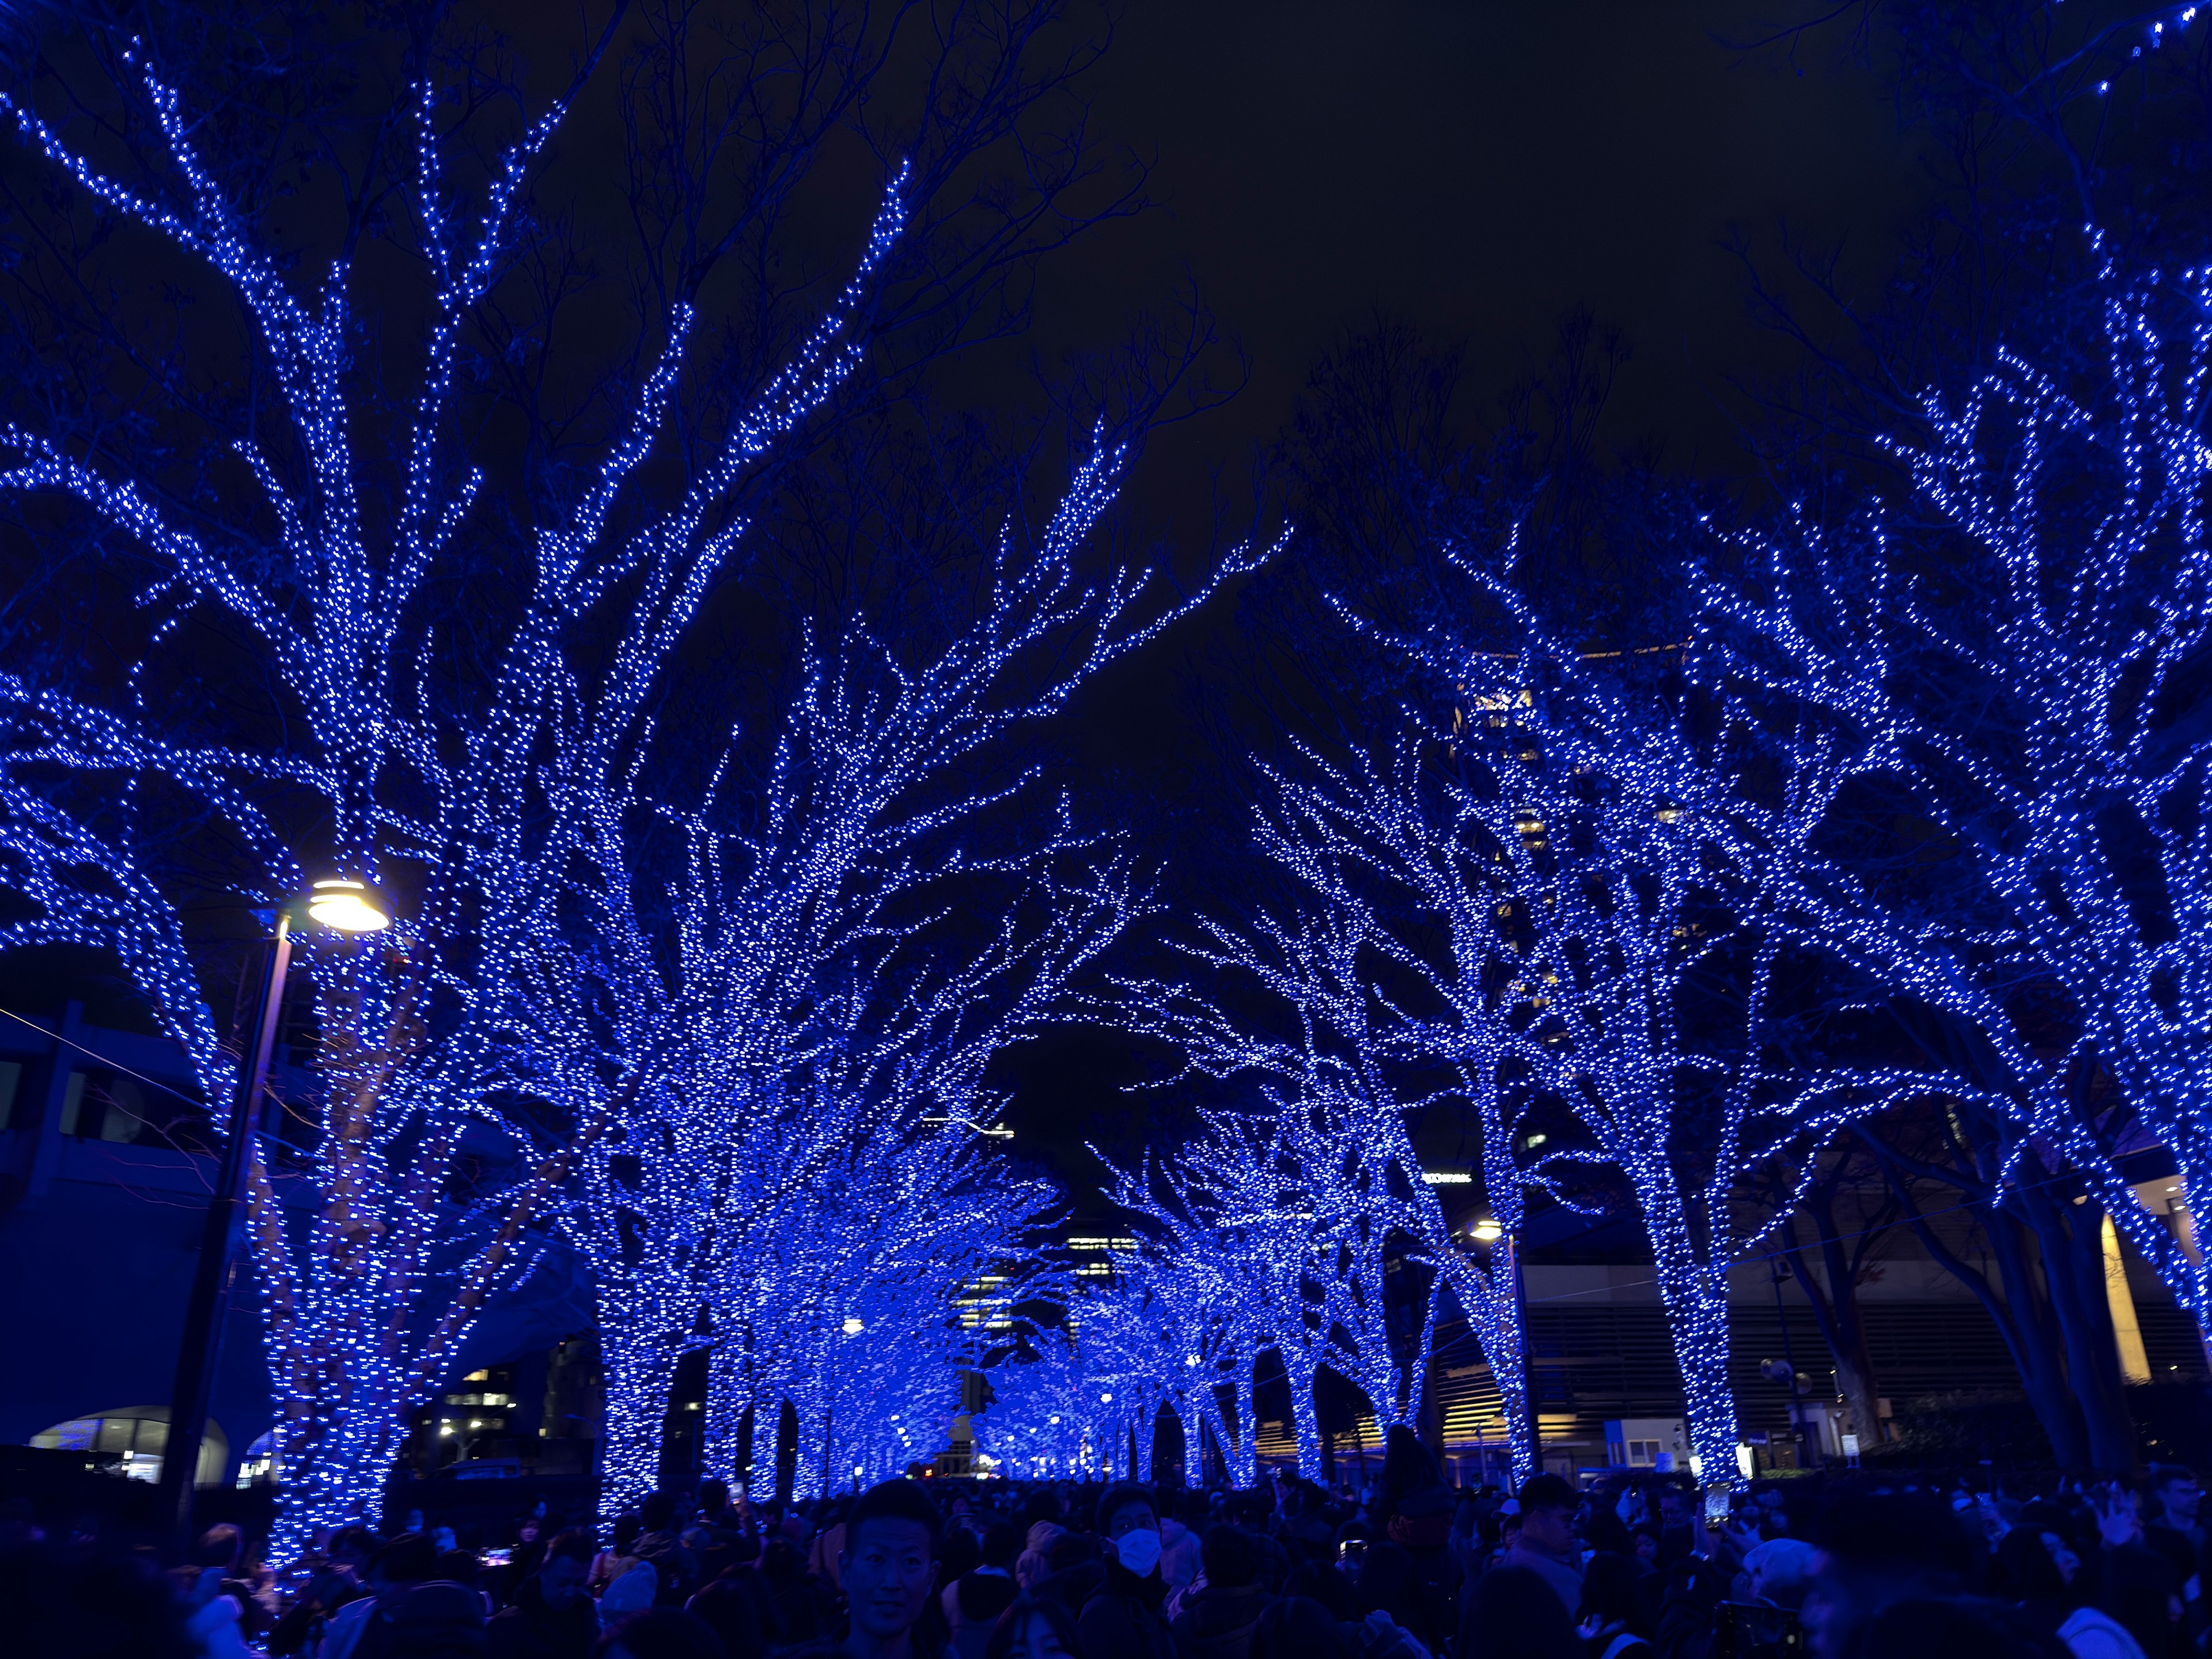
(1695, 1296)
(2035, 1342)
(2072, 1239)
(1843, 1326)
(1493, 1302)
(640, 1369)
(1305, 1423)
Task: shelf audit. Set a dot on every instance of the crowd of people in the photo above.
(1625, 1567)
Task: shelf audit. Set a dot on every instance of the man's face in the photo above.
(1549, 1528)
(560, 1581)
(1131, 1518)
(889, 1569)
(1672, 1510)
(2180, 1499)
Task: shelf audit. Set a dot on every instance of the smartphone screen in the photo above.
(1717, 1505)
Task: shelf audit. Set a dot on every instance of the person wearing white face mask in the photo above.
(1121, 1619)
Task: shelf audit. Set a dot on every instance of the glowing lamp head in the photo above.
(349, 906)
(1487, 1231)
(853, 1327)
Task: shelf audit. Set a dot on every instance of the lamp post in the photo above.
(351, 907)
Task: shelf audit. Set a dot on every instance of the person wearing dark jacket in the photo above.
(1218, 1619)
(661, 1544)
(973, 1601)
(1121, 1618)
(553, 1616)
(411, 1612)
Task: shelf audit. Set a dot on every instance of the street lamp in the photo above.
(349, 906)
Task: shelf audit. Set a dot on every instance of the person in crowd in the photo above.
(676, 1569)
(739, 1608)
(892, 1538)
(1035, 1628)
(1778, 1573)
(1180, 1533)
(2170, 1526)
(58, 1602)
(1548, 1547)
(1514, 1612)
(1877, 1548)
(659, 1633)
(337, 1581)
(1298, 1627)
(619, 1557)
(1076, 1568)
(1951, 1627)
(1612, 1618)
(1121, 1619)
(551, 1616)
(829, 1544)
(714, 1536)
(1218, 1619)
(408, 1610)
(804, 1603)
(973, 1601)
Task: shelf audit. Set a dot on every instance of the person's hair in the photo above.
(1297, 1627)
(409, 1558)
(1547, 1491)
(1068, 1550)
(1907, 1531)
(1515, 1615)
(1943, 1627)
(1317, 1582)
(2027, 1571)
(657, 1512)
(896, 1500)
(628, 1525)
(458, 1567)
(1016, 1619)
(713, 1494)
(1001, 1545)
(661, 1633)
(220, 1545)
(574, 1544)
(2139, 1586)
(1609, 1591)
(739, 1610)
(357, 1538)
(1230, 1557)
(1118, 1495)
(96, 1604)
(961, 1554)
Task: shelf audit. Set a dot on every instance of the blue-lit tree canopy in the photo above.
(735, 892)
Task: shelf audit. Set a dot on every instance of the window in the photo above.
(73, 1103)
(135, 1436)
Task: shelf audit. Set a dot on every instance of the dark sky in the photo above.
(1478, 170)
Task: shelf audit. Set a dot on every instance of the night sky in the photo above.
(1478, 171)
